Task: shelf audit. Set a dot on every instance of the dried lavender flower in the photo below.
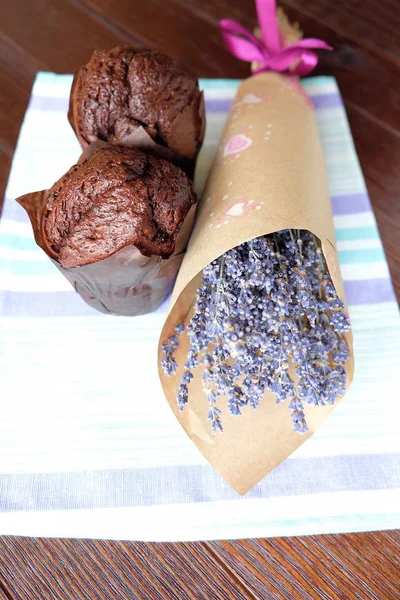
(264, 309)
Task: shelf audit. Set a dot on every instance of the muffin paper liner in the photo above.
(268, 175)
(125, 283)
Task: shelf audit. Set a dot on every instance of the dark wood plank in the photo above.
(5, 164)
(356, 68)
(17, 60)
(43, 35)
(378, 149)
(14, 96)
(320, 567)
(368, 23)
(58, 35)
(4, 594)
(199, 48)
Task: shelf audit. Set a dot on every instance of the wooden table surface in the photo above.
(59, 35)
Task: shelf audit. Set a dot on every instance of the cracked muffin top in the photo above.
(119, 196)
(123, 88)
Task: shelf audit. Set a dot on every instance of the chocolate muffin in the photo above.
(123, 88)
(118, 197)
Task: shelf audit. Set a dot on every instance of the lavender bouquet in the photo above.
(258, 315)
(265, 309)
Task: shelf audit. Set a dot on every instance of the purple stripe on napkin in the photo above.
(369, 291)
(345, 204)
(44, 304)
(70, 304)
(350, 204)
(46, 103)
(218, 106)
(318, 101)
(14, 211)
(51, 304)
(152, 486)
(326, 101)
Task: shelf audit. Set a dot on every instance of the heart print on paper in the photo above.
(237, 143)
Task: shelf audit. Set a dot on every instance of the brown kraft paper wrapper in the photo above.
(125, 283)
(268, 174)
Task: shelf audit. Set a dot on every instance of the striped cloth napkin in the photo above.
(88, 444)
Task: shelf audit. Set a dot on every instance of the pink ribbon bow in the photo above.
(269, 50)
